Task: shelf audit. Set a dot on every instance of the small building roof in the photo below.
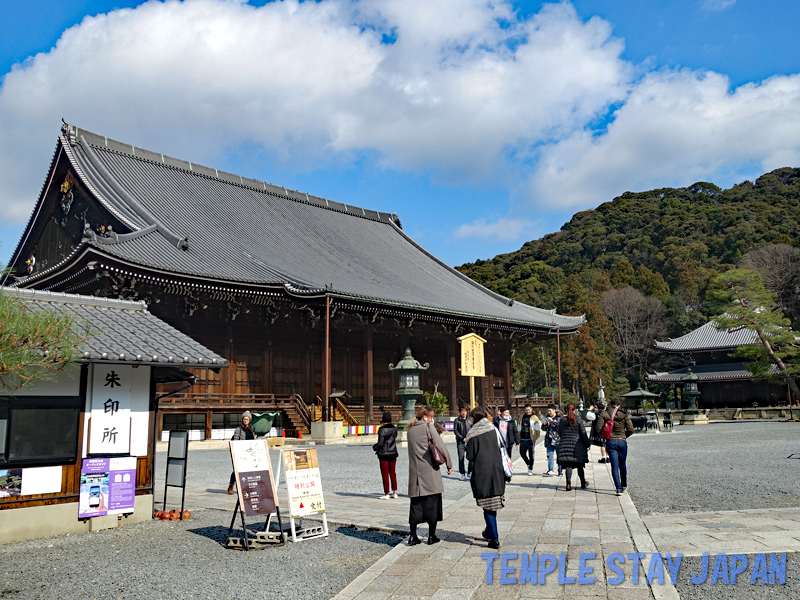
(204, 224)
(122, 331)
(707, 337)
(718, 372)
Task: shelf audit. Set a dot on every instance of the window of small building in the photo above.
(189, 421)
(39, 430)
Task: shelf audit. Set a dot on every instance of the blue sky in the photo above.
(483, 124)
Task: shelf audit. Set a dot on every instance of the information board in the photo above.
(108, 486)
(472, 361)
(254, 476)
(303, 482)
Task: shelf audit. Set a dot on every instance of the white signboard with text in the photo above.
(119, 412)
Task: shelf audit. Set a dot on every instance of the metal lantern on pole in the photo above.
(408, 370)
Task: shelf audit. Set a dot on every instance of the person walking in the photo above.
(529, 431)
(508, 429)
(461, 428)
(425, 487)
(488, 480)
(573, 446)
(386, 449)
(244, 431)
(616, 446)
(550, 428)
(595, 437)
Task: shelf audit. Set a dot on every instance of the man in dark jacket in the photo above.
(461, 429)
(508, 429)
(528, 432)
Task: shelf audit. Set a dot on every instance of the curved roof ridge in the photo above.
(114, 146)
(36, 208)
(140, 211)
(65, 298)
(499, 297)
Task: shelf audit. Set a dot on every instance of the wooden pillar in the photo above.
(368, 375)
(209, 423)
(507, 376)
(452, 373)
(558, 347)
(160, 423)
(327, 362)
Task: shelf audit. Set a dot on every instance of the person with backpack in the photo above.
(551, 439)
(386, 450)
(615, 426)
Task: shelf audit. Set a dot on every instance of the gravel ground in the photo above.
(347, 469)
(721, 466)
(177, 560)
(742, 590)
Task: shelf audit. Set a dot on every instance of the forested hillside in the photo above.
(639, 267)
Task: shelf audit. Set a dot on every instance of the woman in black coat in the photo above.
(488, 478)
(573, 448)
(386, 449)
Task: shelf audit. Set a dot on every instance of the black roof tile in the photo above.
(243, 230)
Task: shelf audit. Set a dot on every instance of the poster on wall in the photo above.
(108, 486)
(254, 477)
(303, 482)
(10, 482)
(41, 480)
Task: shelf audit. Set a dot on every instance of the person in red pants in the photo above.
(386, 449)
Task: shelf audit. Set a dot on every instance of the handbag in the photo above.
(608, 426)
(508, 467)
(436, 454)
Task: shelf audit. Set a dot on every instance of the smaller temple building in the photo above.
(77, 450)
(723, 382)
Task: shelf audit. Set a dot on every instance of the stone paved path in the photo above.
(540, 516)
(741, 531)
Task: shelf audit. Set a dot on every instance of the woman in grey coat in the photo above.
(425, 487)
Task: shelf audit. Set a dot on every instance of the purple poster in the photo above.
(108, 486)
(121, 485)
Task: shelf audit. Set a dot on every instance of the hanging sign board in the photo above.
(472, 362)
(108, 486)
(254, 477)
(303, 482)
(110, 425)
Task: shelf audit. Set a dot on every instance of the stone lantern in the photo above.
(692, 416)
(408, 370)
(690, 388)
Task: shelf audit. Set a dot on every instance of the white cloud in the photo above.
(716, 5)
(467, 93)
(311, 82)
(675, 128)
(501, 230)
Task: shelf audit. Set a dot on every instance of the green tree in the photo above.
(34, 343)
(750, 306)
